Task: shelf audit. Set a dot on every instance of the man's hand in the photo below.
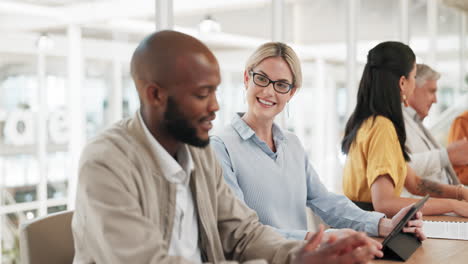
(458, 152)
(413, 226)
(355, 248)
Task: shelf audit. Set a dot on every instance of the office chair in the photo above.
(47, 240)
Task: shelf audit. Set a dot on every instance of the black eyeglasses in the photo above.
(261, 80)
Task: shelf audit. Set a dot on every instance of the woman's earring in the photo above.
(405, 100)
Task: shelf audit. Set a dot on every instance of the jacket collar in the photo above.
(412, 123)
(136, 131)
(174, 171)
(412, 113)
(142, 143)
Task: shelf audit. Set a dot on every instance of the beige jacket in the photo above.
(125, 207)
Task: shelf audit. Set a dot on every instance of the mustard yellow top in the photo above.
(375, 151)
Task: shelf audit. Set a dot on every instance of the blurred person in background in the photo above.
(429, 159)
(459, 132)
(376, 170)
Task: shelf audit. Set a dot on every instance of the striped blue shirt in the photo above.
(279, 185)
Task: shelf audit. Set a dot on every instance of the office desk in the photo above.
(436, 251)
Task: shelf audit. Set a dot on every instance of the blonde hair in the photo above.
(425, 73)
(277, 49)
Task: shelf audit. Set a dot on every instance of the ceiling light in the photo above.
(209, 25)
(44, 42)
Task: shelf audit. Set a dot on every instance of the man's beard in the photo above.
(179, 127)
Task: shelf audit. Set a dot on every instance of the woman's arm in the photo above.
(421, 187)
(418, 186)
(337, 210)
(385, 201)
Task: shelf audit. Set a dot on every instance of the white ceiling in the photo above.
(318, 26)
(306, 21)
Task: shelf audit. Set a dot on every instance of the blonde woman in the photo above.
(267, 167)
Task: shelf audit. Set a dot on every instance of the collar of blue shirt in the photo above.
(246, 132)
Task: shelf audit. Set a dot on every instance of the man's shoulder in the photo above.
(406, 115)
(110, 143)
(410, 123)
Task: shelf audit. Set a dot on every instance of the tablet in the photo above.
(409, 215)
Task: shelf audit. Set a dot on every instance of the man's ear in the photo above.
(155, 94)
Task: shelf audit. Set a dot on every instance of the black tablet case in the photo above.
(401, 246)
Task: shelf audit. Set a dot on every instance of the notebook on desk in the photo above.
(446, 230)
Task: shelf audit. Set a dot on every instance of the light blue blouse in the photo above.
(278, 186)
